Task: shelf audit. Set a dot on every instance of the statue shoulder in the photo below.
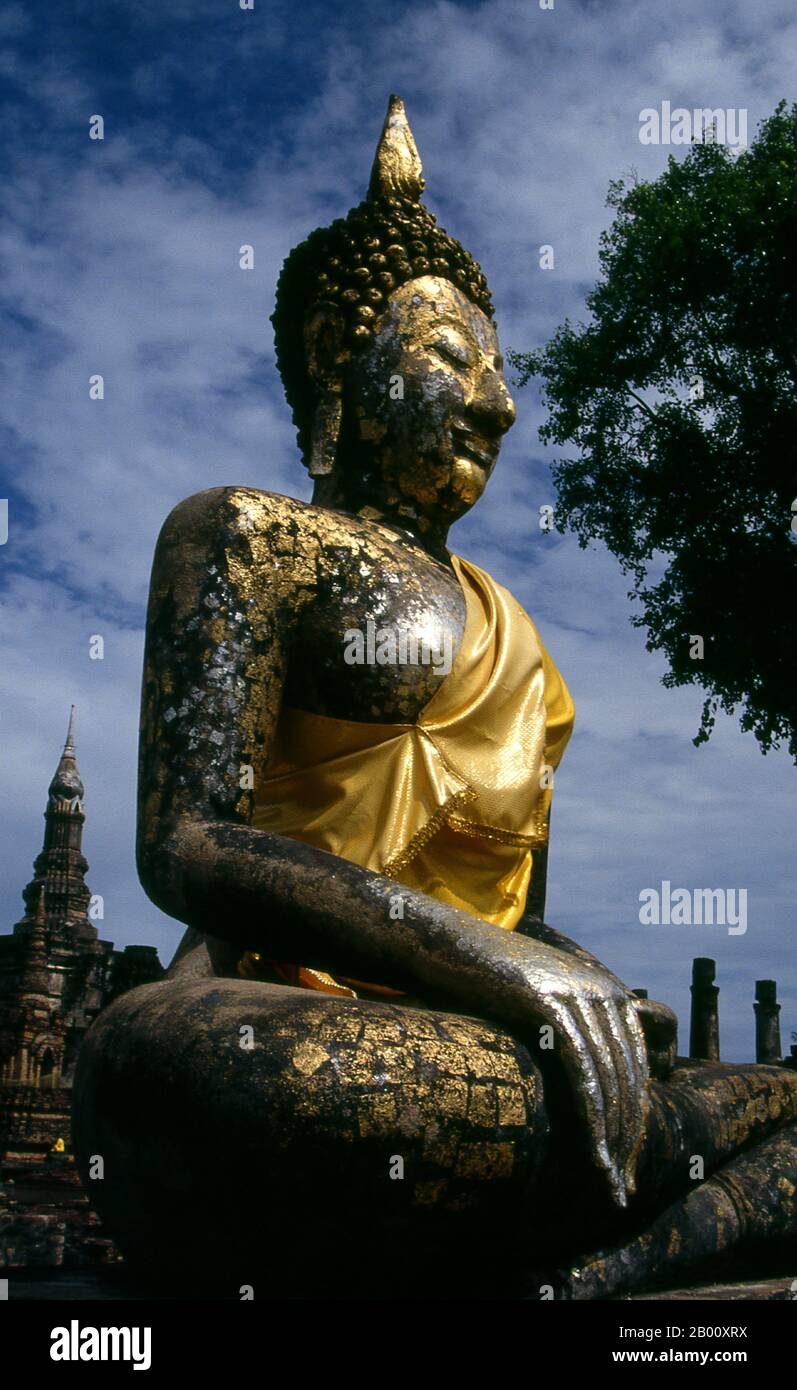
(224, 510)
(244, 534)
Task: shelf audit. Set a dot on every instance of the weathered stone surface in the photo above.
(759, 1291)
(236, 1160)
(250, 1161)
(45, 1217)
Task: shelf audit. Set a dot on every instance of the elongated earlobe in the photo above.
(323, 337)
(326, 431)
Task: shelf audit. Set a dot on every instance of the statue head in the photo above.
(388, 352)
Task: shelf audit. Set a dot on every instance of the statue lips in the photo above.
(481, 451)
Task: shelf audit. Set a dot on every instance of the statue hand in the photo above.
(601, 1043)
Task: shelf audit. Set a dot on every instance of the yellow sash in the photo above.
(451, 805)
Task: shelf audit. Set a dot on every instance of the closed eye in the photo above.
(452, 353)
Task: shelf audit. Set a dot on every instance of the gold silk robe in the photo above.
(451, 805)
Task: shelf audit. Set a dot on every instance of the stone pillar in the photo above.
(767, 1023)
(704, 1031)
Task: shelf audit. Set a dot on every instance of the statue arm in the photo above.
(230, 578)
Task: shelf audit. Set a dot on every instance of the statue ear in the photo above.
(323, 343)
(325, 356)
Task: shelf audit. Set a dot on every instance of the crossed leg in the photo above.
(264, 1135)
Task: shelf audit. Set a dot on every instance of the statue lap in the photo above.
(243, 1125)
(239, 1122)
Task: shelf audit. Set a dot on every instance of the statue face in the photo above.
(428, 403)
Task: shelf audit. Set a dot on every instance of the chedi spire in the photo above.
(59, 872)
(66, 784)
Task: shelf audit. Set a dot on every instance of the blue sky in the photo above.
(120, 257)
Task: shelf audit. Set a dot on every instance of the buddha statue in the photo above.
(372, 1065)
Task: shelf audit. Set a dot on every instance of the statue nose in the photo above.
(492, 406)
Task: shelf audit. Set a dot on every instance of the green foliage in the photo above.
(698, 281)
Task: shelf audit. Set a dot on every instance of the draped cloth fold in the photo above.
(451, 805)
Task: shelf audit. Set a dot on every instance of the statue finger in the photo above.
(628, 1040)
(634, 1035)
(628, 1052)
(610, 1064)
(637, 1037)
(584, 1073)
(616, 1066)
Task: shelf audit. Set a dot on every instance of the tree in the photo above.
(681, 398)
